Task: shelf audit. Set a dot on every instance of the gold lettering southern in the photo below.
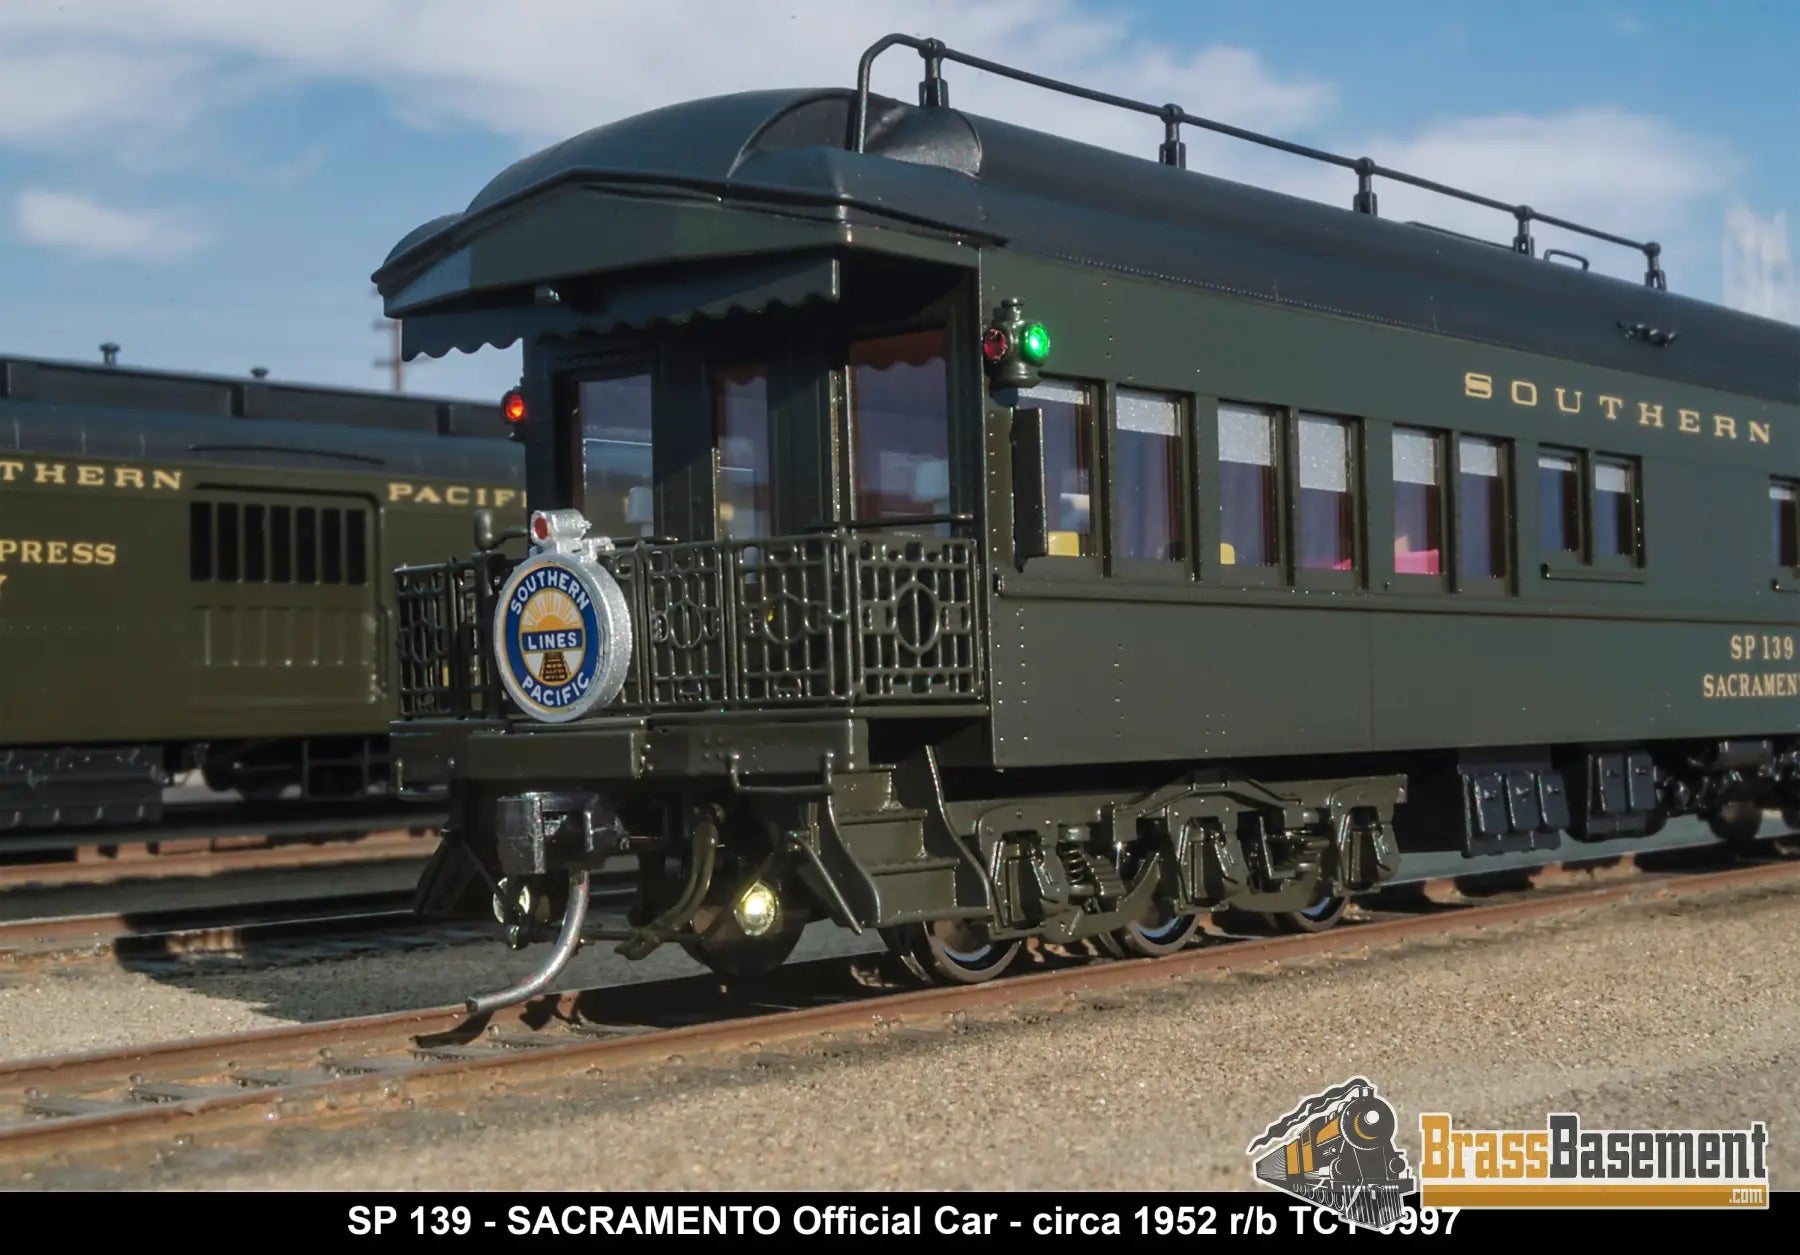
(1526, 394)
(30, 472)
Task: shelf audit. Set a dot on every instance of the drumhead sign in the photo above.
(562, 637)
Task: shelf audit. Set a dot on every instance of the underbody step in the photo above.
(889, 849)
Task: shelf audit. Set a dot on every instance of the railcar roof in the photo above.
(943, 171)
(159, 395)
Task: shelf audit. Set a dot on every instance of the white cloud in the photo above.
(539, 70)
(1760, 277)
(1630, 175)
(544, 69)
(82, 225)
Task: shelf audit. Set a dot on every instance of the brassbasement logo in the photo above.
(1565, 1165)
(1336, 1150)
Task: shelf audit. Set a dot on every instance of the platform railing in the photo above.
(836, 619)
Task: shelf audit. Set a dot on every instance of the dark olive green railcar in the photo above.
(1040, 540)
(193, 574)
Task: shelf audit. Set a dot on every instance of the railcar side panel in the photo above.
(1208, 658)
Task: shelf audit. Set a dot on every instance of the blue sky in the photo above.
(210, 182)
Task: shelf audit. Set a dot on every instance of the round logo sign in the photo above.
(562, 637)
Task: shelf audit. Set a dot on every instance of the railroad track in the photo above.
(274, 931)
(191, 823)
(236, 851)
(114, 1103)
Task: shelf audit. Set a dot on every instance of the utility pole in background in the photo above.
(393, 361)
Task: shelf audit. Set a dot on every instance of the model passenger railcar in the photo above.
(1040, 541)
(192, 575)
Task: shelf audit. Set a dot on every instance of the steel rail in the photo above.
(377, 845)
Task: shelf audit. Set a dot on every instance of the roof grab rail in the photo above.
(934, 92)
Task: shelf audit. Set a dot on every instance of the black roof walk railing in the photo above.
(935, 92)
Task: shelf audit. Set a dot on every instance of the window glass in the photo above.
(1784, 516)
(1148, 477)
(1068, 464)
(306, 545)
(331, 545)
(1615, 508)
(281, 544)
(1418, 506)
(356, 547)
(900, 426)
(1559, 503)
(741, 420)
(200, 540)
(1327, 512)
(228, 541)
(615, 451)
(1247, 495)
(1481, 509)
(256, 542)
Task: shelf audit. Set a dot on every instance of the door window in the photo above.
(899, 409)
(741, 437)
(614, 415)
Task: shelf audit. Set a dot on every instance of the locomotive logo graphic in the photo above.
(1336, 1150)
(562, 635)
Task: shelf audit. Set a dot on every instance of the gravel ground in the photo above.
(96, 1005)
(1674, 1015)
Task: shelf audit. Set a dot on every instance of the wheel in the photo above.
(1151, 938)
(1737, 822)
(744, 956)
(950, 951)
(722, 944)
(1323, 914)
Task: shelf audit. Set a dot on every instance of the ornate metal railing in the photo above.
(445, 612)
(839, 619)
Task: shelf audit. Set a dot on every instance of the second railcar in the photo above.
(193, 577)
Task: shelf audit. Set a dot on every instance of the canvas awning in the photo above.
(629, 301)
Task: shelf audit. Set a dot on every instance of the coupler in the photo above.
(538, 835)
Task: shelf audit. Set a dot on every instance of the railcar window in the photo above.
(227, 524)
(899, 402)
(200, 540)
(356, 547)
(1068, 464)
(1327, 509)
(281, 544)
(741, 438)
(331, 545)
(256, 543)
(1147, 478)
(1615, 508)
(306, 545)
(1559, 502)
(1418, 502)
(1247, 487)
(615, 451)
(1784, 517)
(1481, 509)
